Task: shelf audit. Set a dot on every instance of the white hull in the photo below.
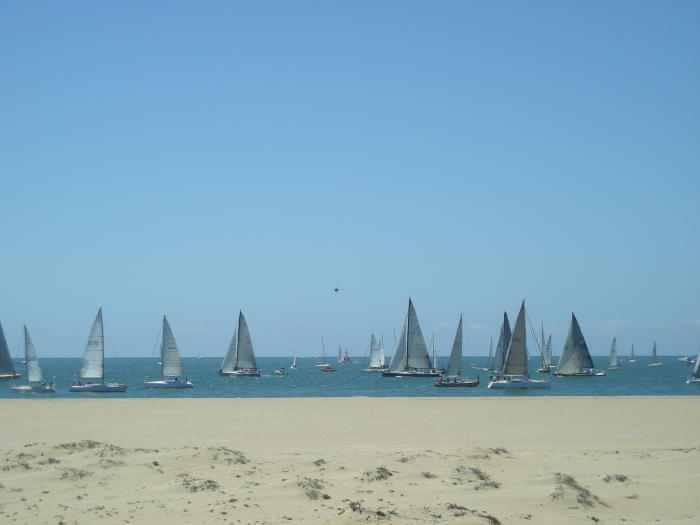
(10, 376)
(693, 380)
(655, 364)
(519, 383)
(322, 365)
(373, 369)
(33, 388)
(248, 372)
(168, 383)
(614, 368)
(99, 387)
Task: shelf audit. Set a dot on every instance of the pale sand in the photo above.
(504, 460)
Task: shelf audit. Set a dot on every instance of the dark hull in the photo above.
(412, 374)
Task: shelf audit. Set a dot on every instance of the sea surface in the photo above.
(634, 379)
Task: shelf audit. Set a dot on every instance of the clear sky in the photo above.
(197, 158)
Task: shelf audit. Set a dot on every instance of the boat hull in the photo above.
(590, 373)
(457, 384)
(242, 373)
(377, 369)
(99, 387)
(693, 380)
(414, 373)
(33, 389)
(10, 376)
(168, 383)
(519, 383)
(614, 368)
(655, 364)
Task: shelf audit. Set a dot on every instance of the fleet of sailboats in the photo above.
(514, 373)
(93, 363)
(240, 358)
(35, 379)
(170, 363)
(575, 359)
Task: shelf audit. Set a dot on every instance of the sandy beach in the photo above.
(550, 460)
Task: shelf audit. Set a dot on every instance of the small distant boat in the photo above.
(322, 363)
(376, 356)
(7, 367)
(546, 365)
(695, 374)
(411, 357)
(614, 360)
(575, 359)
(514, 374)
(632, 358)
(281, 372)
(496, 366)
(654, 360)
(199, 356)
(35, 379)
(240, 358)
(343, 358)
(293, 366)
(328, 368)
(171, 365)
(93, 363)
(454, 366)
(685, 359)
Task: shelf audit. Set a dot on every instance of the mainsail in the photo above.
(632, 358)
(653, 354)
(33, 368)
(515, 363)
(454, 367)
(93, 359)
(548, 350)
(411, 350)
(169, 354)
(613, 361)
(375, 357)
(502, 346)
(245, 358)
(575, 357)
(7, 368)
(696, 368)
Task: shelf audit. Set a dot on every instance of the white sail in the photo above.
(294, 360)
(548, 350)
(381, 351)
(340, 354)
(375, 359)
(228, 363)
(454, 366)
(502, 346)
(33, 368)
(575, 357)
(653, 354)
(613, 361)
(93, 359)
(245, 358)
(6, 365)
(415, 344)
(169, 354)
(516, 357)
(696, 368)
(399, 360)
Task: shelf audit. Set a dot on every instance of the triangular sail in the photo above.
(375, 359)
(632, 353)
(502, 346)
(228, 363)
(245, 358)
(516, 356)
(696, 368)
(340, 354)
(613, 360)
(169, 354)
(33, 368)
(381, 351)
(454, 366)
(415, 345)
(575, 357)
(653, 354)
(399, 360)
(93, 359)
(6, 365)
(548, 350)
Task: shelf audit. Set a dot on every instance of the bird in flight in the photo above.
(336, 290)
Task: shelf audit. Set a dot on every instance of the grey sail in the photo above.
(575, 357)
(696, 368)
(375, 359)
(93, 359)
(454, 366)
(245, 358)
(228, 363)
(6, 365)
(489, 364)
(415, 345)
(516, 357)
(653, 354)
(613, 360)
(169, 354)
(399, 360)
(548, 350)
(632, 353)
(502, 346)
(33, 368)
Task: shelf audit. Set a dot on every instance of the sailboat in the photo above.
(411, 354)
(376, 356)
(454, 366)
(293, 366)
(171, 366)
(322, 363)
(654, 360)
(546, 365)
(35, 380)
(240, 358)
(502, 346)
(346, 358)
(695, 373)
(93, 363)
(632, 358)
(514, 373)
(614, 360)
(7, 367)
(575, 359)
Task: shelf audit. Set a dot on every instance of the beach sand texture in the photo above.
(510, 460)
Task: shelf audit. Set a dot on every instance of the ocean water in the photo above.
(634, 379)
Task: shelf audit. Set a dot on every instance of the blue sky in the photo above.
(196, 158)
